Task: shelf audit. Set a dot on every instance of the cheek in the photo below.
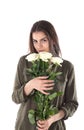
(35, 46)
(47, 47)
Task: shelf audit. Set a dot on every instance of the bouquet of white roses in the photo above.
(43, 64)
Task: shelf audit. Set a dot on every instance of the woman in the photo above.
(43, 37)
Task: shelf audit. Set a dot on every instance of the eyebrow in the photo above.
(44, 38)
(41, 38)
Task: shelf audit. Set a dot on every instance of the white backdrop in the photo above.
(16, 19)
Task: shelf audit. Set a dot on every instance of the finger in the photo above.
(48, 85)
(39, 126)
(43, 92)
(43, 77)
(48, 88)
(42, 125)
(48, 81)
(41, 122)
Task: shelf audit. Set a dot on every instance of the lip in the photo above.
(40, 50)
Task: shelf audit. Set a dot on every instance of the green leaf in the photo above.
(59, 93)
(51, 111)
(52, 96)
(53, 75)
(29, 70)
(58, 73)
(31, 116)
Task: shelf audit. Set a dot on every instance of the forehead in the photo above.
(38, 35)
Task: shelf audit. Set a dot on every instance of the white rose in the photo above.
(32, 57)
(56, 60)
(45, 56)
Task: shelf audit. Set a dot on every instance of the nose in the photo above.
(40, 47)
(39, 44)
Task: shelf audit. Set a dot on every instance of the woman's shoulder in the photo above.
(23, 57)
(67, 64)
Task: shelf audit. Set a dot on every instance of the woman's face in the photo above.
(40, 41)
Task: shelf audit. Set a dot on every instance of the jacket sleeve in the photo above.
(18, 95)
(70, 105)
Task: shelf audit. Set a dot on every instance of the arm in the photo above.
(70, 105)
(40, 84)
(45, 124)
(18, 95)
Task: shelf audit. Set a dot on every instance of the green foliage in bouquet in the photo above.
(43, 64)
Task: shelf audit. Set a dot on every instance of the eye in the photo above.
(34, 41)
(44, 40)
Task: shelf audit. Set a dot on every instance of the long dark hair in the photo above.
(50, 32)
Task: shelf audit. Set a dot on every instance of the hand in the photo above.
(41, 84)
(44, 124)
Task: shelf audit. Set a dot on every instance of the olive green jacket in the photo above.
(67, 102)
